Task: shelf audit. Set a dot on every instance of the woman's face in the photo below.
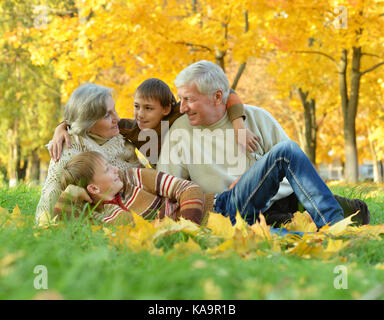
(107, 127)
(149, 112)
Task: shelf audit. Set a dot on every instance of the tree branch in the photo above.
(320, 53)
(372, 68)
(238, 75)
(244, 64)
(194, 45)
(39, 78)
(370, 54)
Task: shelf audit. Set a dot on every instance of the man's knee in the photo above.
(287, 146)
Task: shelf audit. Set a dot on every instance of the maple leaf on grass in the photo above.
(339, 227)
(261, 229)
(139, 237)
(301, 221)
(220, 225)
(14, 219)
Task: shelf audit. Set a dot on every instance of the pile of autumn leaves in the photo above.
(219, 238)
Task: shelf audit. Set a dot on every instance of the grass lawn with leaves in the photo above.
(169, 260)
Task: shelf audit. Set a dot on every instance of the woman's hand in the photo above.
(60, 137)
(251, 141)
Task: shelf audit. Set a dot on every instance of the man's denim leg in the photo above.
(260, 183)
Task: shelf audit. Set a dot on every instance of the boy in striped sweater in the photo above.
(144, 191)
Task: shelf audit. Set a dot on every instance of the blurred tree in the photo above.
(309, 93)
(120, 43)
(347, 33)
(29, 95)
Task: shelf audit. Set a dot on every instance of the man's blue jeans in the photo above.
(260, 183)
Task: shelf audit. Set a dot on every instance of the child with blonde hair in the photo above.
(115, 195)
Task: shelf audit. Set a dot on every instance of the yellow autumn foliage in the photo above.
(220, 239)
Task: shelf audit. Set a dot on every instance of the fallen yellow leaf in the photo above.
(301, 221)
(220, 225)
(261, 229)
(340, 226)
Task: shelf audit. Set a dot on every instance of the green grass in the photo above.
(82, 264)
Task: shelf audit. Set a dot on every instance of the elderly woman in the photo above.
(90, 113)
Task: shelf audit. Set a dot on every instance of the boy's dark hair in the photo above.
(157, 89)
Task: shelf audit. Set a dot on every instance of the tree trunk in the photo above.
(21, 166)
(352, 168)
(33, 170)
(349, 109)
(13, 155)
(310, 127)
(377, 177)
(377, 171)
(219, 56)
(244, 64)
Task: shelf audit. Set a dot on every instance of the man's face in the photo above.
(200, 109)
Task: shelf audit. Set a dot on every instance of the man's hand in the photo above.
(60, 137)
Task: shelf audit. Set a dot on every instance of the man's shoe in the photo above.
(351, 206)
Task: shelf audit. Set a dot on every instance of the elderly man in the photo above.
(200, 146)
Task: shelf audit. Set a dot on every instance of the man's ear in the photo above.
(93, 189)
(218, 97)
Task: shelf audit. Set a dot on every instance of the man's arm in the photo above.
(266, 126)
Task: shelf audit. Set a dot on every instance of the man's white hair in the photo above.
(207, 76)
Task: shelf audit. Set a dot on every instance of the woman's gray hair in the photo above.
(207, 76)
(85, 106)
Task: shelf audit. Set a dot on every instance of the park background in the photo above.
(316, 66)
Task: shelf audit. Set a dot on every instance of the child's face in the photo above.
(149, 112)
(106, 180)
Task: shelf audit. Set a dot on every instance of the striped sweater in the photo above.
(149, 193)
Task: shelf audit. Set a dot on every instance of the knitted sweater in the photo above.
(211, 162)
(130, 130)
(118, 152)
(148, 193)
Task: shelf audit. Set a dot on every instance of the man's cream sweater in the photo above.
(208, 155)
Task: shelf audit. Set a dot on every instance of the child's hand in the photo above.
(234, 183)
(251, 141)
(56, 144)
(77, 194)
